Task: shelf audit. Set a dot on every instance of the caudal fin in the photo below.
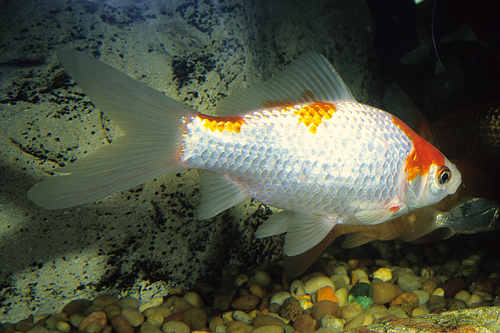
(151, 122)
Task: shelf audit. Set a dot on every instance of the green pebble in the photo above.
(362, 293)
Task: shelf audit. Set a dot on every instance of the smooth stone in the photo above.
(246, 303)
(340, 268)
(220, 329)
(297, 288)
(291, 309)
(288, 329)
(384, 292)
(269, 329)
(107, 329)
(280, 297)
(128, 302)
(332, 323)
(148, 327)
(174, 317)
(313, 284)
(356, 322)
(104, 300)
(438, 292)
(156, 320)
(263, 320)
(112, 310)
(409, 282)
(362, 293)
(194, 299)
(91, 309)
(342, 294)
(262, 278)
(133, 316)
(397, 311)
(384, 274)
(436, 302)
(121, 325)
(235, 325)
(176, 327)
(179, 304)
(258, 290)
(418, 312)
(473, 299)
(223, 302)
(409, 299)
(325, 307)
(98, 317)
(340, 281)
(304, 324)
(38, 329)
(63, 326)
(242, 328)
(159, 310)
(214, 322)
(240, 280)
(76, 307)
(155, 301)
(377, 309)
(242, 317)
(455, 304)
(305, 303)
(75, 320)
(351, 311)
(423, 296)
(93, 327)
(196, 318)
(453, 286)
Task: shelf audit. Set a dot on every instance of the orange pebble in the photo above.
(263, 312)
(327, 294)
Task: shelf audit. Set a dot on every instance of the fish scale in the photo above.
(322, 171)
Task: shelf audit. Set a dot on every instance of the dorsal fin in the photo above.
(310, 78)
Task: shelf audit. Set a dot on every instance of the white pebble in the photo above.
(297, 288)
(473, 299)
(438, 292)
(280, 297)
(342, 295)
(383, 274)
(313, 284)
(155, 301)
(423, 296)
(462, 295)
(242, 316)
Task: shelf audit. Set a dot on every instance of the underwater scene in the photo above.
(249, 166)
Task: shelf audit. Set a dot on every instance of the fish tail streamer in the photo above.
(152, 123)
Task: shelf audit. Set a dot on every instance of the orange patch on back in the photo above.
(312, 115)
(423, 154)
(230, 124)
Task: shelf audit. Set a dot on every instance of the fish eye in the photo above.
(444, 175)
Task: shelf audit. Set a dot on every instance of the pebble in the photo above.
(262, 278)
(313, 284)
(175, 327)
(148, 327)
(397, 311)
(356, 322)
(383, 274)
(155, 301)
(269, 329)
(263, 320)
(242, 317)
(38, 329)
(93, 327)
(98, 317)
(246, 303)
(409, 299)
(133, 316)
(214, 322)
(473, 299)
(326, 294)
(156, 320)
(194, 299)
(76, 307)
(342, 294)
(385, 292)
(63, 326)
(340, 281)
(291, 309)
(409, 282)
(436, 302)
(121, 325)
(351, 310)
(159, 310)
(423, 296)
(462, 295)
(326, 308)
(112, 310)
(75, 320)
(240, 280)
(196, 318)
(104, 300)
(304, 324)
(128, 302)
(297, 288)
(332, 323)
(280, 297)
(258, 290)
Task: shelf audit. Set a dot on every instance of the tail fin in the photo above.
(152, 125)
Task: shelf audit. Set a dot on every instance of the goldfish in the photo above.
(299, 142)
(469, 136)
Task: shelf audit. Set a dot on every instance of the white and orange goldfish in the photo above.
(299, 142)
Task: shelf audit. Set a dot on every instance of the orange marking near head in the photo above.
(230, 124)
(423, 155)
(312, 115)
